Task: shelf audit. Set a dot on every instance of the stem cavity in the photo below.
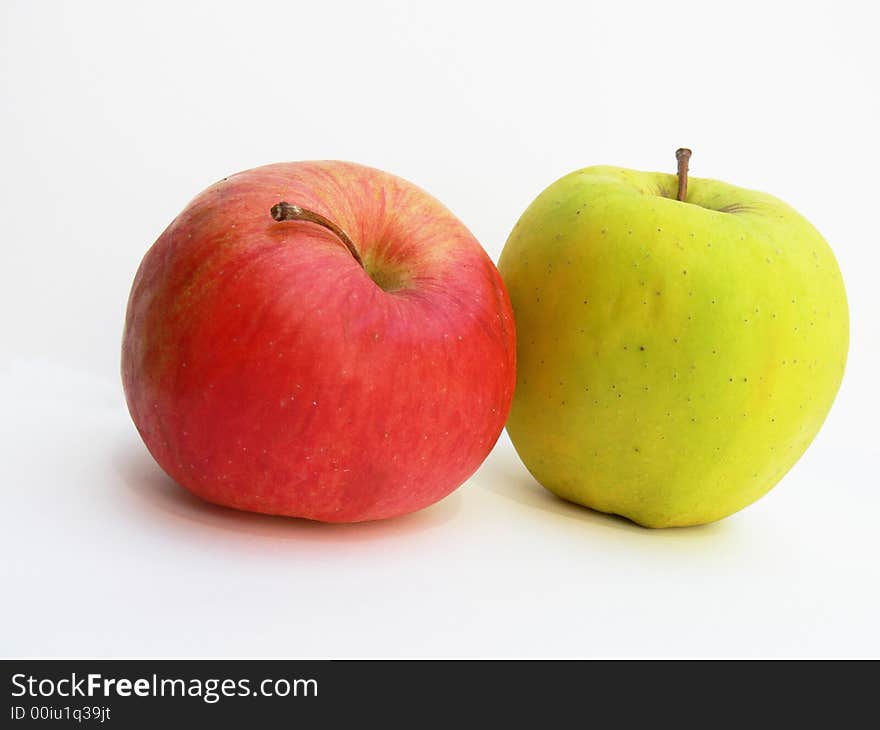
(287, 212)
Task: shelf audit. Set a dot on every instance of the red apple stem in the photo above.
(683, 154)
(288, 212)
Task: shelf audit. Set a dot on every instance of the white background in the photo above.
(114, 115)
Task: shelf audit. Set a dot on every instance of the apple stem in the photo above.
(287, 212)
(683, 154)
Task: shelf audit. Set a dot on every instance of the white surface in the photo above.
(115, 114)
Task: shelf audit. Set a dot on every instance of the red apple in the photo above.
(349, 356)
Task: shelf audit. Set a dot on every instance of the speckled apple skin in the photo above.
(267, 371)
(674, 359)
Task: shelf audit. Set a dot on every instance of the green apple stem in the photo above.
(287, 212)
(683, 154)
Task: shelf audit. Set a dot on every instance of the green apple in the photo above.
(678, 344)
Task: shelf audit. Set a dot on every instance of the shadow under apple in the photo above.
(508, 478)
(159, 494)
